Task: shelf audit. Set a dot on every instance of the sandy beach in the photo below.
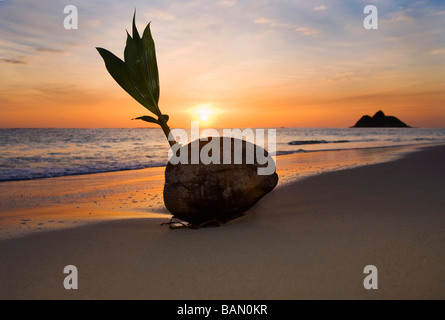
(310, 238)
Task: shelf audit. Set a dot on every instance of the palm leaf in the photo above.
(150, 63)
(136, 36)
(133, 64)
(151, 119)
(118, 70)
(138, 73)
(147, 119)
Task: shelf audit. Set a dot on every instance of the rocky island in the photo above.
(380, 120)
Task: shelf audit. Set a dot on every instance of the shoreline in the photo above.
(32, 206)
(284, 155)
(307, 240)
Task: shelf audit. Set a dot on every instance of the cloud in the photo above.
(344, 76)
(437, 52)
(160, 14)
(93, 22)
(48, 50)
(12, 61)
(227, 3)
(263, 21)
(439, 13)
(320, 8)
(307, 31)
(400, 16)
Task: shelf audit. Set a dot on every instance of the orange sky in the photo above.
(233, 63)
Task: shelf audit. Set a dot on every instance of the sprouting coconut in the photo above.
(198, 194)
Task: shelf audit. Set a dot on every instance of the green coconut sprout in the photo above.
(138, 74)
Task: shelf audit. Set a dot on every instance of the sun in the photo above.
(204, 113)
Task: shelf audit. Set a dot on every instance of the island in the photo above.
(380, 120)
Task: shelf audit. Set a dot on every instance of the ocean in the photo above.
(43, 153)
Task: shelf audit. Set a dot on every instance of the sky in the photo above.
(227, 63)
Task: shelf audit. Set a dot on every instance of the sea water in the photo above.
(42, 153)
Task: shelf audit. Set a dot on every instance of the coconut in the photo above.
(203, 193)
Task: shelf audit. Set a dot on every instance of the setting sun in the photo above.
(205, 113)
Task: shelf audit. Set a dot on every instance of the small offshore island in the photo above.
(380, 120)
